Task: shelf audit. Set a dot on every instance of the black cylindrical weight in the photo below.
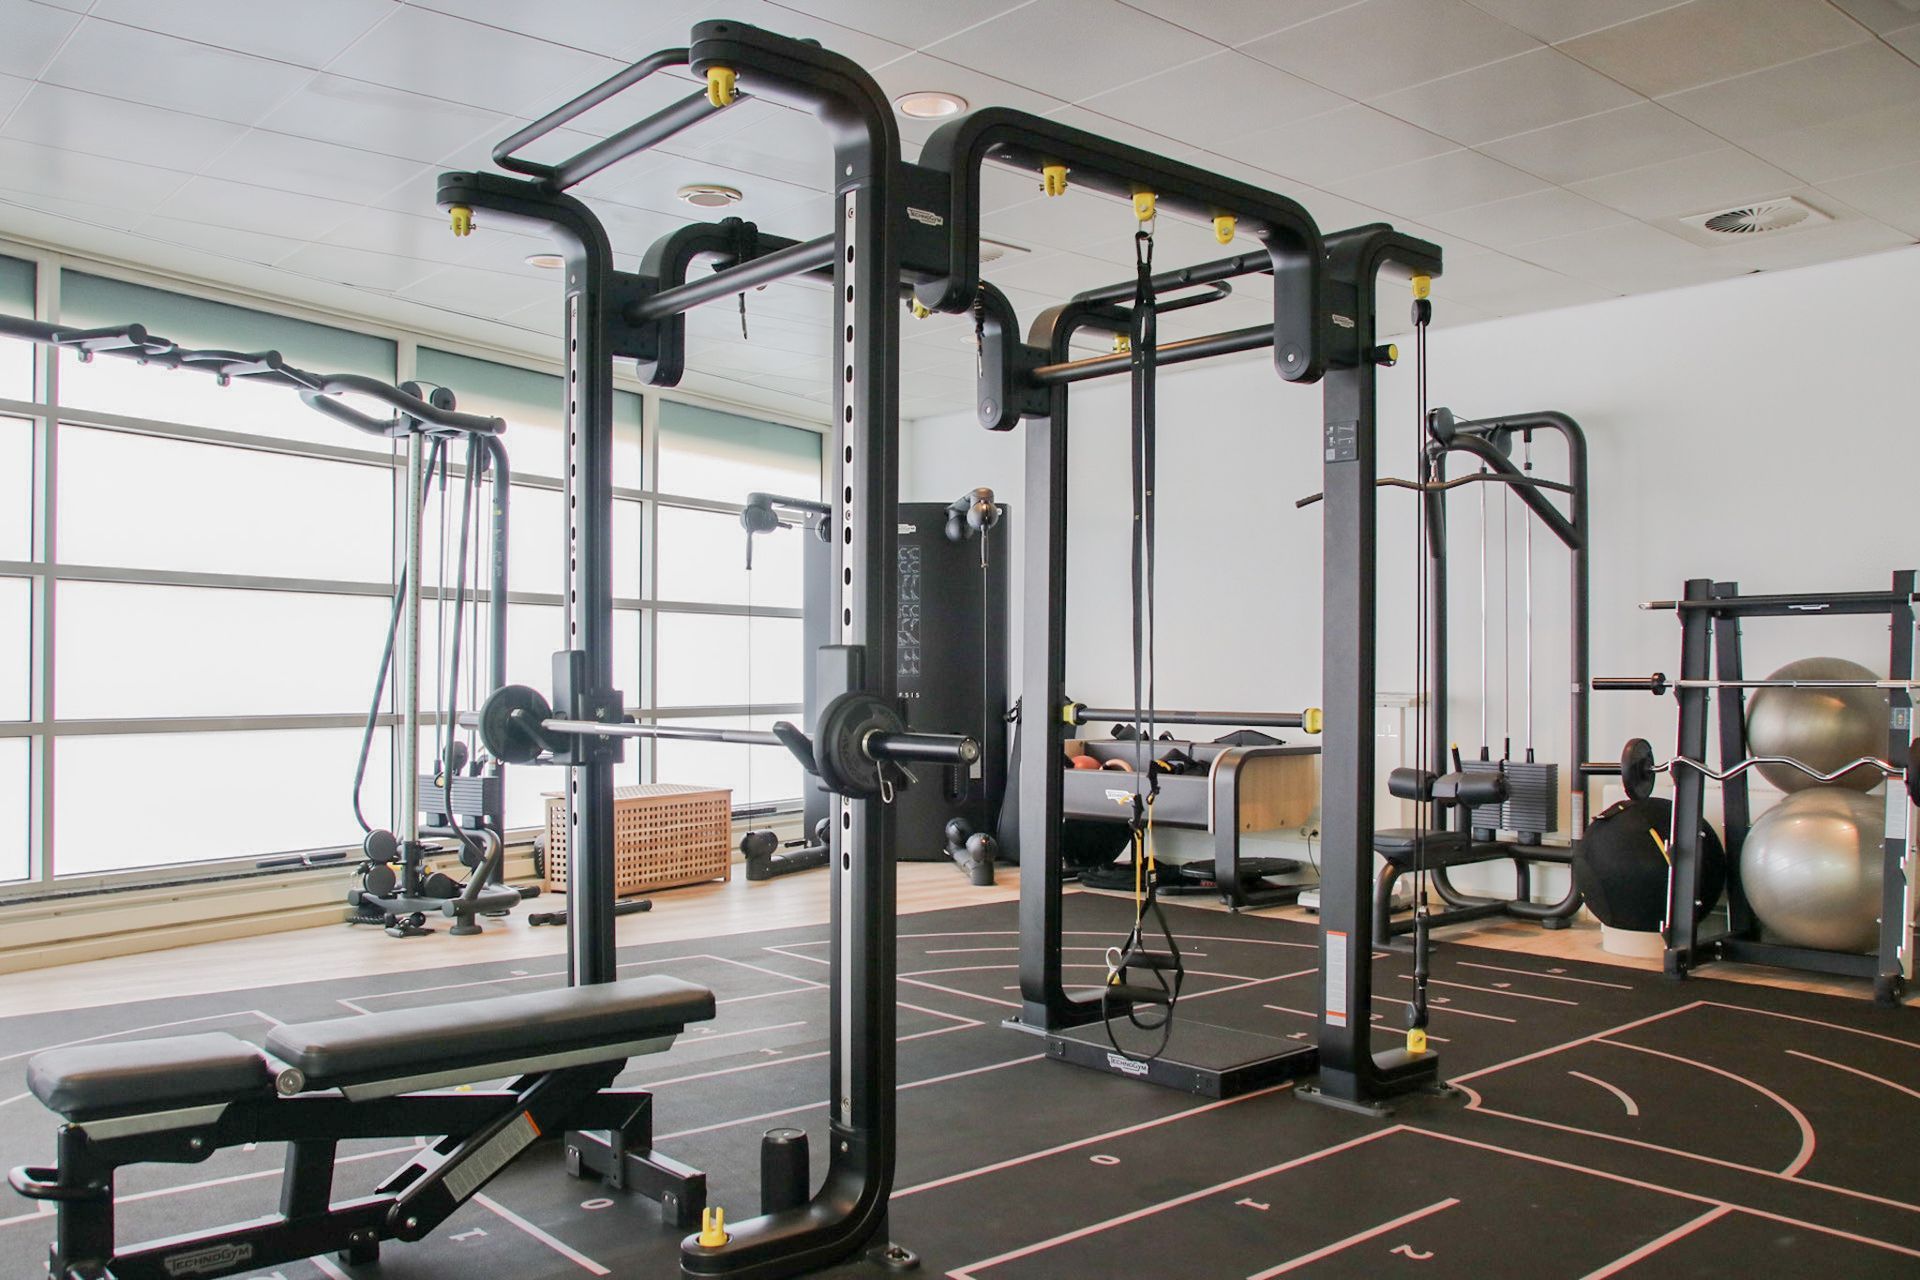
(758, 844)
(440, 885)
(783, 1170)
(1637, 769)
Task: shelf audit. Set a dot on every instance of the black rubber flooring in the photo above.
(1612, 1123)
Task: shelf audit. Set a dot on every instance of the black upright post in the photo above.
(1735, 803)
(1690, 785)
(1895, 967)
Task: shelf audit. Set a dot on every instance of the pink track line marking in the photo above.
(1655, 1245)
(964, 995)
(1813, 1022)
(1359, 1237)
(1626, 1100)
(1381, 1028)
(967, 1272)
(1795, 1165)
(1549, 977)
(1495, 991)
(1572, 1044)
(1864, 1075)
(559, 1246)
(1448, 1008)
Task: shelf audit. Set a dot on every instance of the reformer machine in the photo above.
(951, 671)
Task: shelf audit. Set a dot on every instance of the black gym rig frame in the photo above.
(905, 226)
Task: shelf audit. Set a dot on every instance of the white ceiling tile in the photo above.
(307, 35)
(485, 294)
(1556, 20)
(71, 175)
(1632, 258)
(1815, 90)
(648, 181)
(1323, 149)
(1627, 138)
(598, 26)
(226, 242)
(913, 25)
(1515, 95)
(1109, 43)
(292, 163)
(1907, 41)
(357, 268)
(1221, 95)
(70, 213)
(773, 142)
(1382, 45)
(1841, 148)
(1439, 183)
(459, 61)
(1706, 40)
(1882, 16)
(77, 6)
(1121, 131)
(846, 38)
(1080, 219)
(425, 235)
(1692, 184)
(1891, 195)
(1234, 22)
(1061, 275)
(1850, 237)
(1474, 276)
(372, 117)
(979, 88)
(34, 35)
(221, 203)
(89, 123)
(12, 90)
(1534, 216)
(160, 71)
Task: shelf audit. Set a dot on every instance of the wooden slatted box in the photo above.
(664, 834)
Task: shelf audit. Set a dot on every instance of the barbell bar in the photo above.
(1658, 683)
(1637, 768)
(1308, 720)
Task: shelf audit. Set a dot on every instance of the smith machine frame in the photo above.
(898, 228)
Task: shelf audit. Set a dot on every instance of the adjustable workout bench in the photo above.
(177, 1101)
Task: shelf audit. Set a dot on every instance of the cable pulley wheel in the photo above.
(510, 723)
(840, 743)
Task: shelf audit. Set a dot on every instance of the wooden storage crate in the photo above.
(664, 834)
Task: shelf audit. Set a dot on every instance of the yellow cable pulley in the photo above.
(1311, 721)
(1423, 286)
(1417, 1041)
(1122, 344)
(720, 86)
(1143, 204)
(919, 309)
(462, 220)
(1223, 225)
(1053, 179)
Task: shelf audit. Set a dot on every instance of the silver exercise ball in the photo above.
(1824, 727)
(1811, 868)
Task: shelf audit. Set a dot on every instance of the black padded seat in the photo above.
(1437, 848)
(95, 1081)
(476, 1033)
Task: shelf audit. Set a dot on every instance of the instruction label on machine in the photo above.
(1336, 969)
(1343, 440)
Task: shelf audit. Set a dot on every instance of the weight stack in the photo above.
(1533, 807)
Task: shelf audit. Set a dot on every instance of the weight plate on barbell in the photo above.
(1637, 768)
(839, 743)
(510, 721)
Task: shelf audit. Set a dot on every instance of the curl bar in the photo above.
(1657, 684)
(1441, 486)
(1307, 721)
(1637, 768)
(858, 735)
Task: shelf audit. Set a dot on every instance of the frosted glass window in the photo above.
(756, 775)
(535, 632)
(16, 649)
(707, 660)
(16, 357)
(203, 797)
(708, 454)
(15, 778)
(537, 539)
(16, 488)
(703, 558)
(127, 650)
(534, 406)
(109, 384)
(150, 503)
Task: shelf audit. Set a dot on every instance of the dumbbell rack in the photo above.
(1710, 617)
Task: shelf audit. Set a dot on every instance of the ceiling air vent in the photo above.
(1762, 217)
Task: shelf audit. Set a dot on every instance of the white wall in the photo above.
(1764, 430)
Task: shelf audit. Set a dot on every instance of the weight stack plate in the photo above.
(1533, 806)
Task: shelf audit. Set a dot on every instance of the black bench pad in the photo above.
(473, 1033)
(94, 1081)
(1437, 848)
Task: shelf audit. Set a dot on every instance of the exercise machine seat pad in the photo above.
(94, 1081)
(1436, 848)
(472, 1033)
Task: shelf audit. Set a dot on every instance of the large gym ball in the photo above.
(1811, 868)
(1823, 727)
(1622, 874)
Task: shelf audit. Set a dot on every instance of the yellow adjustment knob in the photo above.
(1311, 720)
(1422, 286)
(1143, 205)
(1393, 352)
(1122, 344)
(1069, 714)
(713, 1228)
(1053, 179)
(1223, 224)
(1416, 1044)
(462, 220)
(720, 91)
(920, 310)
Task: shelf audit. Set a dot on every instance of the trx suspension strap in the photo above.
(1426, 467)
(1167, 969)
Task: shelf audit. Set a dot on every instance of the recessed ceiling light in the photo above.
(708, 195)
(548, 261)
(930, 104)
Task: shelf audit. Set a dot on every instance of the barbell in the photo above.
(1638, 768)
(1658, 683)
(857, 736)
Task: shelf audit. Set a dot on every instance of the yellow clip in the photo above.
(1660, 843)
(462, 220)
(1122, 344)
(1416, 1045)
(1422, 286)
(1053, 179)
(713, 1228)
(1393, 352)
(1223, 227)
(920, 310)
(1311, 720)
(720, 86)
(1143, 205)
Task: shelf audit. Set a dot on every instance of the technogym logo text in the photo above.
(219, 1257)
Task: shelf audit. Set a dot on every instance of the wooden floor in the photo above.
(697, 911)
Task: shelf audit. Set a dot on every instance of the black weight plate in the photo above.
(838, 742)
(510, 721)
(1636, 769)
(440, 885)
(378, 879)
